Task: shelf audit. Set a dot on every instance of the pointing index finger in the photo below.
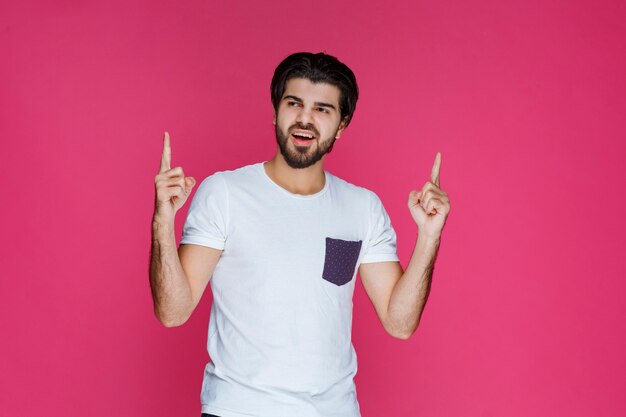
(434, 174)
(166, 158)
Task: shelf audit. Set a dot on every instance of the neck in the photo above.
(304, 181)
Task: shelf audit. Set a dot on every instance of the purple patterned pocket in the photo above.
(340, 260)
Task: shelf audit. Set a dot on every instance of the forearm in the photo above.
(171, 292)
(410, 293)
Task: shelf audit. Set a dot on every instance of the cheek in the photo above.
(330, 127)
(285, 118)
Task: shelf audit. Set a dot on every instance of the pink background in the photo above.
(525, 100)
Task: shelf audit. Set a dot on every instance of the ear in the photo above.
(342, 127)
(274, 121)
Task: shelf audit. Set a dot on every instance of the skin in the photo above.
(300, 107)
(399, 296)
(179, 278)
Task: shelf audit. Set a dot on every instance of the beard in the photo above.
(303, 156)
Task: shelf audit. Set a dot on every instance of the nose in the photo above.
(304, 116)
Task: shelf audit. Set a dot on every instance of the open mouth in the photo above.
(302, 138)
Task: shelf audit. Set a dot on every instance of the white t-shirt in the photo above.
(281, 320)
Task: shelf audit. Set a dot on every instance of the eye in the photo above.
(292, 103)
(322, 109)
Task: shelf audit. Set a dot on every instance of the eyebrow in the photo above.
(317, 103)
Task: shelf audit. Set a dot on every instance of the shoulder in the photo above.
(355, 192)
(233, 176)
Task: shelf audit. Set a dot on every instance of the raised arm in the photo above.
(177, 277)
(399, 296)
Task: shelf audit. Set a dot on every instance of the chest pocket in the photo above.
(340, 260)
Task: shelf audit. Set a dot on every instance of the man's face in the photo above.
(307, 109)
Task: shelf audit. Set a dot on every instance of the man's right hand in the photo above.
(172, 187)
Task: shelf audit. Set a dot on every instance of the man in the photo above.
(281, 242)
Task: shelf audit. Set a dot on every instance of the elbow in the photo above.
(400, 333)
(402, 336)
(171, 321)
(170, 324)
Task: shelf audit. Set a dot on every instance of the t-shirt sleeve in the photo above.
(207, 218)
(381, 245)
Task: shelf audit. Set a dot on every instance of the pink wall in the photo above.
(525, 100)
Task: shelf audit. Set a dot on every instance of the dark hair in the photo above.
(317, 68)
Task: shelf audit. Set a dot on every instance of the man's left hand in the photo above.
(430, 206)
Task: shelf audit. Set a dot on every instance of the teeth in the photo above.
(304, 135)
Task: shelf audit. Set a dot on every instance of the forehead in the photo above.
(314, 92)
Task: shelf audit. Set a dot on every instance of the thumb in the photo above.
(190, 182)
(414, 198)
